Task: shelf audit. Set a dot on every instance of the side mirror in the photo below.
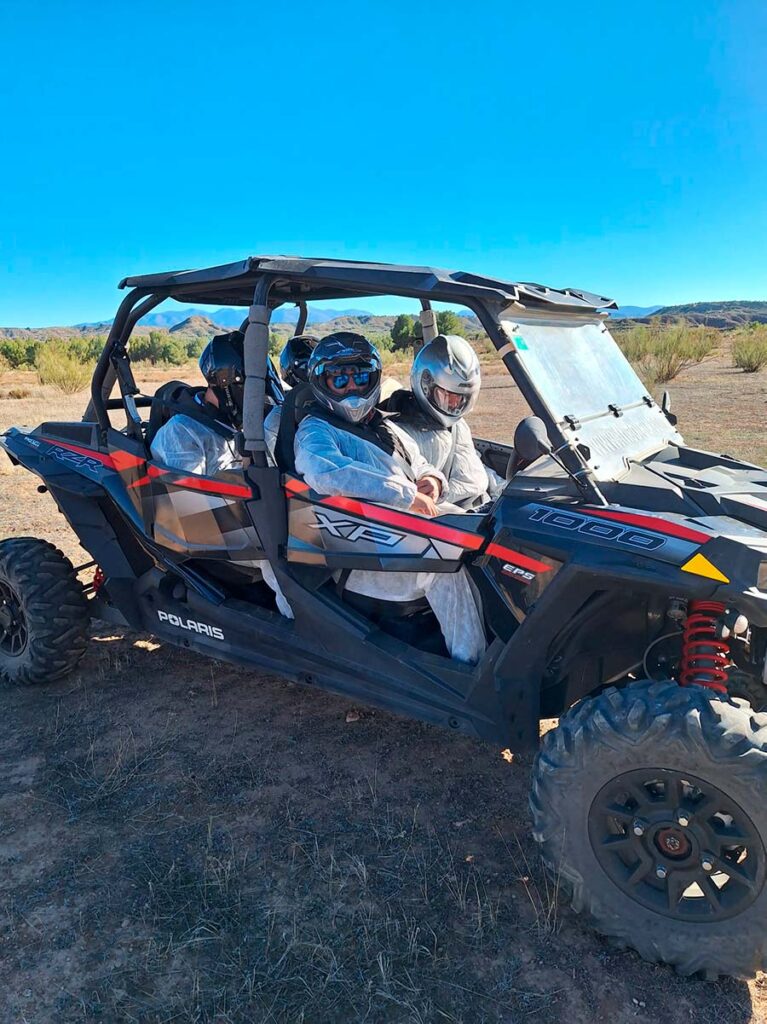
(531, 439)
(665, 405)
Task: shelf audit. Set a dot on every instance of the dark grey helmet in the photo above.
(223, 366)
(294, 358)
(342, 352)
(445, 378)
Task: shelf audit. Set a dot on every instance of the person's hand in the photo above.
(430, 486)
(423, 505)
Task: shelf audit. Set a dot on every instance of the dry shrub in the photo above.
(17, 393)
(59, 368)
(749, 348)
(635, 343)
(660, 353)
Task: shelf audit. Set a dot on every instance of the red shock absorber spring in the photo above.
(98, 579)
(705, 656)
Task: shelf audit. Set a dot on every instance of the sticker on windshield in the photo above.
(520, 343)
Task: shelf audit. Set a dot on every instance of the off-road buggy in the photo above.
(623, 579)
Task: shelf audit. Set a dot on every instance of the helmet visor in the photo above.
(449, 402)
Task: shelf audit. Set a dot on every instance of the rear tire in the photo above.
(44, 616)
(689, 772)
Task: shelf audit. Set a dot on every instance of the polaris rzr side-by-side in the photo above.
(622, 577)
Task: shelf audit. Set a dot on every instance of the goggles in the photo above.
(340, 378)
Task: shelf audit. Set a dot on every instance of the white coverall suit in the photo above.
(187, 444)
(334, 461)
(469, 480)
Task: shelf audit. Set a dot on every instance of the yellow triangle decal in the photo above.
(699, 565)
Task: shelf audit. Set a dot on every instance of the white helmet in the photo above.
(445, 378)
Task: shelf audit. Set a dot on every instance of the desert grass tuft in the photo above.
(63, 370)
(749, 348)
(660, 353)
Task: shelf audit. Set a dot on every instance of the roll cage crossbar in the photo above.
(263, 283)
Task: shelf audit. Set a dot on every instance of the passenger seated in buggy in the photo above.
(445, 381)
(345, 446)
(201, 436)
(294, 362)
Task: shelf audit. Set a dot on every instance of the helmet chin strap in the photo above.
(228, 406)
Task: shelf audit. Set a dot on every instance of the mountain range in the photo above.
(231, 317)
(196, 322)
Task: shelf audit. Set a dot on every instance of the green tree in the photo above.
(403, 331)
(159, 347)
(19, 353)
(194, 347)
(449, 322)
(87, 350)
(172, 352)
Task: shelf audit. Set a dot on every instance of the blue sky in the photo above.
(620, 148)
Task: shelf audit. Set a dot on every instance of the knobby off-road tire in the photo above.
(634, 759)
(43, 612)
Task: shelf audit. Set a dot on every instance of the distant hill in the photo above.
(196, 327)
(723, 315)
(170, 318)
(719, 314)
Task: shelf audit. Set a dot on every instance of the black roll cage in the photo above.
(264, 283)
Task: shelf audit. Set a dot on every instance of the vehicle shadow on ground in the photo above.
(181, 837)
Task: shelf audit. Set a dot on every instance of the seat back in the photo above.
(293, 409)
(168, 399)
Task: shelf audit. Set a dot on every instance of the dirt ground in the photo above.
(185, 841)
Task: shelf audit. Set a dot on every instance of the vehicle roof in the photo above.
(303, 279)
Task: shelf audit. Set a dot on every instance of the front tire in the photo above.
(44, 615)
(649, 806)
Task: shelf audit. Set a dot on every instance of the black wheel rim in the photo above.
(677, 844)
(13, 623)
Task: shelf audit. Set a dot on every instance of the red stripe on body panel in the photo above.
(651, 523)
(124, 460)
(411, 523)
(151, 473)
(516, 558)
(220, 487)
(293, 486)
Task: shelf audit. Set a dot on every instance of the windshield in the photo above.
(590, 390)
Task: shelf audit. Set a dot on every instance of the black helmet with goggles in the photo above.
(345, 375)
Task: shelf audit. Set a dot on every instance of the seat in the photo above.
(292, 410)
(168, 400)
